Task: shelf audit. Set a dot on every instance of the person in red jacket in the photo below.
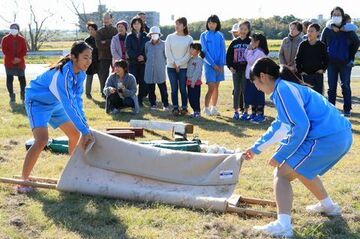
(14, 48)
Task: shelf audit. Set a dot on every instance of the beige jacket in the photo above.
(288, 49)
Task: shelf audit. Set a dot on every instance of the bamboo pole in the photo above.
(257, 201)
(28, 183)
(39, 179)
(250, 212)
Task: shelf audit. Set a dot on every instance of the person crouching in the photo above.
(120, 89)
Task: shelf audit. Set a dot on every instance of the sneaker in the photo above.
(335, 210)
(244, 116)
(195, 115)
(166, 108)
(114, 111)
(214, 111)
(347, 114)
(153, 107)
(236, 116)
(184, 111)
(251, 117)
(176, 112)
(12, 98)
(135, 111)
(207, 111)
(275, 229)
(258, 119)
(24, 189)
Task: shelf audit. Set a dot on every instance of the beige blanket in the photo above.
(122, 169)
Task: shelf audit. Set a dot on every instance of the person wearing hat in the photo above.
(235, 31)
(14, 48)
(155, 67)
(118, 48)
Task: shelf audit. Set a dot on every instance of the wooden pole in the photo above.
(28, 183)
(39, 179)
(249, 212)
(257, 201)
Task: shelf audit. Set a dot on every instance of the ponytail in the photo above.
(77, 48)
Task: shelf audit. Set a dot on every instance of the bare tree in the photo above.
(37, 34)
(14, 14)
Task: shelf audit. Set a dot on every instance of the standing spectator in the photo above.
(118, 48)
(193, 74)
(257, 49)
(236, 62)
(342, 47)
(135, 49)
(177, 51)
(93, 68)
(142, 15)
(14, 48)
(120, 89)
(290, 45)
(235, 31)
(103, 41)
(305, 24)
(312, 59)
(155, 67)
(213, 46)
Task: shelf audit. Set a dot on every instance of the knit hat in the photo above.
(16, 25)
(124, 23)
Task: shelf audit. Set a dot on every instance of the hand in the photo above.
(16, 60)
(232, 70)
(335, 29)
(192, 84)
(177, 69)
(320, 71)
(303, 73)
(103, 42)
(85, 141)
(273, 162)
(112, 90)
(140, 58)
(248, 154)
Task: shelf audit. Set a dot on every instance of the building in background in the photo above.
(152, 17)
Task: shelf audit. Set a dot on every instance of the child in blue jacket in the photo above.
(213, 46)
(313, 137)
(55, 98)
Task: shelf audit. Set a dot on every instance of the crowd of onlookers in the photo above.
(130, 59)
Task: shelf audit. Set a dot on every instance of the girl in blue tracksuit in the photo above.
(313, 137)
(55, 98)
(213, 46)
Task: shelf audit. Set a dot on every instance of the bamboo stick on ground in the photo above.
(250, 212)
(39, 179)
(28, 183)
(257, 201)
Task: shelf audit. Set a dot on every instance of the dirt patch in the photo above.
(3, 159)
(17, 222)
(13, 142)
(7, 147)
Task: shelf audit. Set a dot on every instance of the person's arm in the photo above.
(299, 58)
(197, 72)
(353, 46)
(324, 57)
(114, 48)
(168, 52)
(5, 48)
(349, 27)
(131, 89)
(251, 56)
(274, 134)
(186, 57)
(324, 36)
(230, 56)
(282, 54)
(222, 51)
(291, 109)
(62, 90)
(109, 85)
(208, 59)
(23, 49)
(131, 52)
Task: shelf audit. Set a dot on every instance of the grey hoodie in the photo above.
(288, 49)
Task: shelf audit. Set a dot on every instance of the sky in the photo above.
(193, 10)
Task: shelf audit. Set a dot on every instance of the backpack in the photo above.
(338, 48)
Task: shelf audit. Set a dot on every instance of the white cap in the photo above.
(235, 28)
(154, 30)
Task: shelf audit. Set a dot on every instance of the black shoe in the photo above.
(12, 98)
(184, 111)
(176, 112)
(89, 96)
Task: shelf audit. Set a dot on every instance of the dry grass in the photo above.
(51, 214)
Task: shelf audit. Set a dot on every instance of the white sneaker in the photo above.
(207, 112)
(275, 229)
(335, 210)
(214, 111)
(165, 108)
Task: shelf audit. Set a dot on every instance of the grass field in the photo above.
(51, 214)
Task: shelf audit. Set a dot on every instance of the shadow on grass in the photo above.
(18, 108)
(336, 227)
(89, 216)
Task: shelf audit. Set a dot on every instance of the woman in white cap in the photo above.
(155, 67)
(235, 31)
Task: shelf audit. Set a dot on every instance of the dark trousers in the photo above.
(254, 97)
(138, 70)
(316, 81)
(10, 87)
(239, 82)
(178, 81)
(163, 93)
(114, 101)
(333, 71)
(103, 72)
(88, 84)
(194, 97)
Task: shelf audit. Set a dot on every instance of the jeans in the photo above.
(10, 88)
(178, 80)
(163, 93)
(194, 97)
(333, 71)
